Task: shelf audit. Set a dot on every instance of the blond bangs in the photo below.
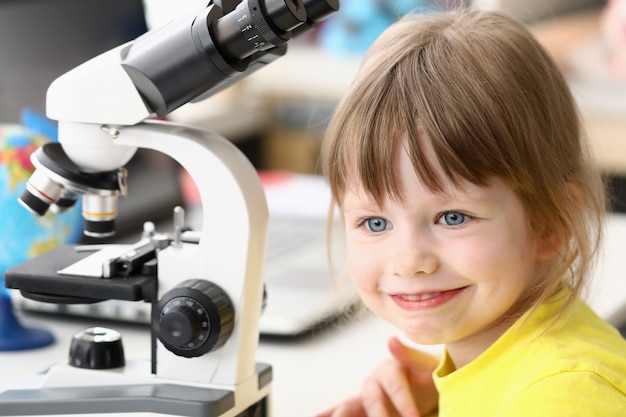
(374, 119)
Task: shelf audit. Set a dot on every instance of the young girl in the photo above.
(473, 216)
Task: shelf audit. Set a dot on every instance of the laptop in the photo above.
(305, 274)
(305, 280)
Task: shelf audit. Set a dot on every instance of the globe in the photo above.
(24, 235)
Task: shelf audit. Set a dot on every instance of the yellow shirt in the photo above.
(575, 368)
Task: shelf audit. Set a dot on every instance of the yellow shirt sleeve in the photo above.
(552, 397)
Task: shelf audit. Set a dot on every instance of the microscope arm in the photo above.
(231, 250)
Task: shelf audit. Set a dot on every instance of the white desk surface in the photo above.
(309, 374)
(314, 372)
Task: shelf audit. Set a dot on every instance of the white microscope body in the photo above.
(204, 347)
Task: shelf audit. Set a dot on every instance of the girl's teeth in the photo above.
(421, 297)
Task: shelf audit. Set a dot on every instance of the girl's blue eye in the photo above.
(453, 218)
(376, 224)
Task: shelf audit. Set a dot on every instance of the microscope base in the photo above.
(160, 398)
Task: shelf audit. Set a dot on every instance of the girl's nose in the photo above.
(414, 256)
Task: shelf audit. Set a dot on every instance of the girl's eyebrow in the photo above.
(470, 194)
(472, 199)
(466, 194)
(458, 197)
(361, 205)
(363, 202)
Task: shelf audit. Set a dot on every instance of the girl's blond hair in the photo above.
(492, 104)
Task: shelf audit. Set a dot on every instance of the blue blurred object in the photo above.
(39, 124)
(14, 336)
(359, 22)
(25, 235)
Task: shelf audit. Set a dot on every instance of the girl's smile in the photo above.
(424, 300)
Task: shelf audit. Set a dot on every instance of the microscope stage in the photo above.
(39, 279)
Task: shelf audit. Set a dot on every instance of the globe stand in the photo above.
(14, 336)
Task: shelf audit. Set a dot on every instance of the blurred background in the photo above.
(277, 115)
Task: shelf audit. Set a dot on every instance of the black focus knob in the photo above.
(194, 318)
(97, 348)
(180, 325)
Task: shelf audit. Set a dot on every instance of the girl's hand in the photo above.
(399, 387)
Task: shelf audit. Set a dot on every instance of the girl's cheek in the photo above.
(363, 275)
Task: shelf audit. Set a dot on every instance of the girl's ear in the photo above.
(551, 242)
(575, 193)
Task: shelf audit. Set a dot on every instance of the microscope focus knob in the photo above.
(194, 318)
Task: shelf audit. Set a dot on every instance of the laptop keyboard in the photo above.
(288, 236)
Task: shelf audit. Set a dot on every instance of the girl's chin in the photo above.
(426, 332)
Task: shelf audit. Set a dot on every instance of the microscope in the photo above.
(205, 287)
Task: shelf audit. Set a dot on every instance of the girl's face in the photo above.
(443, 268)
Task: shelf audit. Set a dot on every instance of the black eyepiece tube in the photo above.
(193, 58)
(316, 11)
(286, 15)
(257, 25)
